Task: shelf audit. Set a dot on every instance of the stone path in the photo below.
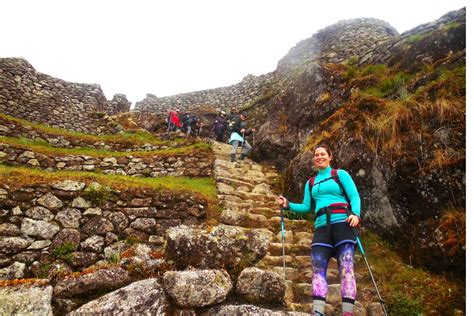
(244, 190)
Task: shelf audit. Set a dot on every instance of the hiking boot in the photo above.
(233, 157)
(242, 157)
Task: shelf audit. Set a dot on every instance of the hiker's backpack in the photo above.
(335, 177)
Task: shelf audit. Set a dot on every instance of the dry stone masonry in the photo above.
(75, 224)
(219, 99)
(29, 94)
(192, 164)
(339, 42)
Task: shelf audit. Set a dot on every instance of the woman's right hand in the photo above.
(282, 201)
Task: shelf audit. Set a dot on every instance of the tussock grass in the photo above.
(392, 119)
(45, 148)
(20, 176)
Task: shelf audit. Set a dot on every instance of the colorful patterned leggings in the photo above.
(345, 259)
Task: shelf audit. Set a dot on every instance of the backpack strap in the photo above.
(335, 176)
(311, 185)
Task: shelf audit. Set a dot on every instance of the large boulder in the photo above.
(26, 300)
(142, 297)
(257, 285)
(104, 279)
(197, 288)
(223, 246)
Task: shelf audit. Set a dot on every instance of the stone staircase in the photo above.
(245, 193)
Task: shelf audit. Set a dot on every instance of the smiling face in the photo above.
(321, 158)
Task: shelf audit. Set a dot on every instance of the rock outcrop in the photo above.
(190, 289)
(26, 300)
(142, 297)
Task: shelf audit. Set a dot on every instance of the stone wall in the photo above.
(73, 224)
(339, 42)
(220, 98)
(37, 97)
(15, 129)
(192, 164)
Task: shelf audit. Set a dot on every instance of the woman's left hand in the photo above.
(353, 220)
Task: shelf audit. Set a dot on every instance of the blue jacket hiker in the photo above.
(237, 137)
(333, 196)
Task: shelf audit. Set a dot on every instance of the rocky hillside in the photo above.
(393, 110)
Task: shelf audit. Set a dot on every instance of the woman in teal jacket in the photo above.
(333, 237)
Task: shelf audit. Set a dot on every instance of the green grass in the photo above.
(43, 147)
(64, 251)
(414, 38)
(390, 85)
(259, 99)
(451, 25)
(405, 289)
(138, 137)
(17, 176)
(378, 70)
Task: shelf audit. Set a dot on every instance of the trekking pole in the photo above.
(283, 240)
(356, 235)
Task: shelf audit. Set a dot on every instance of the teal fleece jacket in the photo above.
(327, 193)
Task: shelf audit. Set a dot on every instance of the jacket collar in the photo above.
(325, 172)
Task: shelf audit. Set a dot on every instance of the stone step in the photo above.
(291, 224)
(265, 211)
(303, 293)
(234, 182)
(236, 206)
(275, 261)
(291, 274)
(276, 249)
(243, 219)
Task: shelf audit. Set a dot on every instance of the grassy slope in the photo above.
(18, 176)
(405, 289)
(45, 148)
(137, 137)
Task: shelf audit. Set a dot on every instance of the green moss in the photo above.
(97, 194)
(64, 251)
(132, 240)
(403, 305)
(451, 25)
(44, 270)
(414, 38)
(259, 99)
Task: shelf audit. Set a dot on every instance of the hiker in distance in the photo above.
(328, 194)
(220, 126)
(237, 137)
(173, 120)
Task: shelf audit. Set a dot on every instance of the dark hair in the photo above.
(326, 147)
